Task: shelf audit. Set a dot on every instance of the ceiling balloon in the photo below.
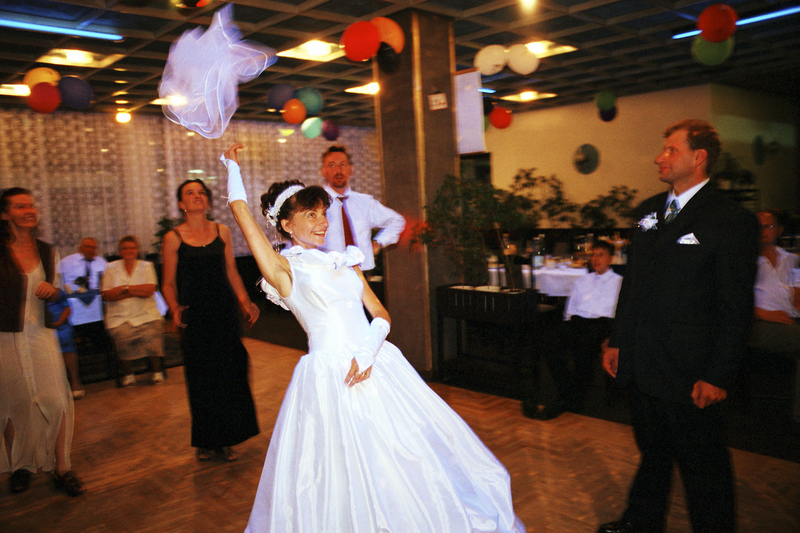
(39, 75)
(44, 98)
(75, 92)
(330, 130)
(311, 127)
(294, 112)
(717, 23)
(312, 99)
(390, 33)
(361, 41)
(711, 54)
(605, 100)
(279, 95)
(521, 60)
(490, 60)
(500, 117)
(388, 59)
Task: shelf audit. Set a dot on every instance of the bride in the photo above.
(361, 444)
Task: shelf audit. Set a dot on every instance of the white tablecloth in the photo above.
(557, 281)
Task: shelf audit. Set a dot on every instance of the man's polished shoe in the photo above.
(620, 526)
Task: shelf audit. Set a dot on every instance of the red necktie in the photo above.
(348, 233)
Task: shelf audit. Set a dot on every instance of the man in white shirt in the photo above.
(588, 319)
(364, 213)
(777, 298)
(81, 273)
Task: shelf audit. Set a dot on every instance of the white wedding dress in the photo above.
(387, 455)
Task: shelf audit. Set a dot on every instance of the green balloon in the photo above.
(311, 127)
(711, 54)
(605, 100)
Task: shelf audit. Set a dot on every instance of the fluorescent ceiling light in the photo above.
(751, 20)
(370, 88)
(528, 96)
(548, 48)
(486, 90)
(78, 58)
(19, 25)
(19, 89)
(314, 51)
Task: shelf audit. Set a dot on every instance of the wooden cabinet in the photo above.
(490, 341)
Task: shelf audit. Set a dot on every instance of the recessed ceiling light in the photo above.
(121, 102)
(14, 89)
(548, 48)
(173, 100)
(314, 51)
(370, 88)
(528, 96)
(78, 58)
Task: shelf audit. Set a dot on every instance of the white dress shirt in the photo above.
(72, 267)
(365, 213)
(134, 311)
(683, 198)
(773, 288)
(594, 295)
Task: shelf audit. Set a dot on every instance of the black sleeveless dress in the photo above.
(215, 360)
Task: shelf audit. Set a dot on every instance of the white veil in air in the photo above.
(203, 72)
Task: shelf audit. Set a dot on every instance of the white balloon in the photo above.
(521, 60)
(490, 60)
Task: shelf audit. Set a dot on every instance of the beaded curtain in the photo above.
(92, 176)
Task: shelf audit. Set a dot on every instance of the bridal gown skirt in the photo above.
(388, 455)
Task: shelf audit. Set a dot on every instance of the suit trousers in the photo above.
(668, 432)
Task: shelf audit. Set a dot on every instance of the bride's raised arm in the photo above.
(273, 266)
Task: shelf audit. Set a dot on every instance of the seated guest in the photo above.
(132, 316)
(588, 317)
(776, 328)
(81, 273)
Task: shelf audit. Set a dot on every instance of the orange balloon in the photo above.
(39, 75)
(390, 33)
(294, 112)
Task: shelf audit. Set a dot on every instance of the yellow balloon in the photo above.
(39, 75)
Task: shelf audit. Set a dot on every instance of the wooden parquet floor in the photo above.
(131, 448)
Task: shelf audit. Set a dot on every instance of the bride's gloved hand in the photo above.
(230, 158)
(364, 358)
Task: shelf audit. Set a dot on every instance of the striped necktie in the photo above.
(672, 211)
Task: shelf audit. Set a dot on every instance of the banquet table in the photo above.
(557, 281)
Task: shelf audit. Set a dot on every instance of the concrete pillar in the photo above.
(418, 149)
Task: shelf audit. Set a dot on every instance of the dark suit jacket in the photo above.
(685, 310)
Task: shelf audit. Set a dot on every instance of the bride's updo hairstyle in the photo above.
(305, 199)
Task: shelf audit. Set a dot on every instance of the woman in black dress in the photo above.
(202, 287)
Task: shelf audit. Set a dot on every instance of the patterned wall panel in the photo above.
(93, 176)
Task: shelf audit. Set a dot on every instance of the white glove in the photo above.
(365, 356)
(235, 184)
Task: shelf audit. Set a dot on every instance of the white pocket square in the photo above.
(689, 238)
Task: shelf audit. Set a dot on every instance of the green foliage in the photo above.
(165, 224)
(465, 213)
(732, 172)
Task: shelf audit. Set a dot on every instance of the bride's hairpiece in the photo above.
(272, 212)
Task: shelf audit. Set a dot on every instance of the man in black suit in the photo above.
(680, 333)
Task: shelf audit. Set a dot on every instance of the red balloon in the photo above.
(717, 22)
(44, 98)
(294, 112)
(500, 117)
(361, 41)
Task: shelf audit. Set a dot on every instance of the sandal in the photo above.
(203, 454)
(19, 481)
(227, 453)
(69, 483)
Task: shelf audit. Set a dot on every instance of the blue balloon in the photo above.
(279, 95)
(311, 98)
(75, 92)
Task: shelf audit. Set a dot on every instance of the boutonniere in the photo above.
(649, 222)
